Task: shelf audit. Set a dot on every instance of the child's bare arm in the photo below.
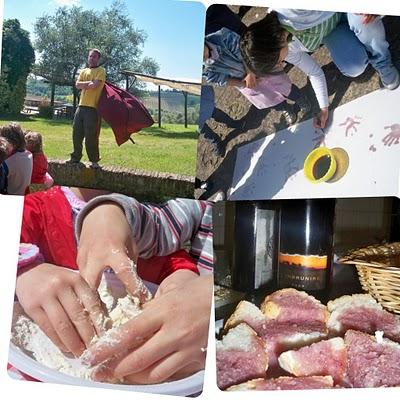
(106, 242)
(62, 304)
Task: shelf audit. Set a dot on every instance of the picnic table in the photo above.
(64, 111)
(30, 109)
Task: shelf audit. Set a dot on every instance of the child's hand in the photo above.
(321, 120)
(167, 340)
(106, 242)
(175, 280)
(63, 305)
(250, 80)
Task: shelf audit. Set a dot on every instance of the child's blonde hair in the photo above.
(14, 135)
(34, 142)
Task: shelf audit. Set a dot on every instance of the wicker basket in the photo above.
(378, 268)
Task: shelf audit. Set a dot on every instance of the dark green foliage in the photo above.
(17, 58)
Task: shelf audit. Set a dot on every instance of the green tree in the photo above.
(4, 94)
(179, 118)
(17, 57)
(64, 39)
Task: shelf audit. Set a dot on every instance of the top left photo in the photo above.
(100, 94)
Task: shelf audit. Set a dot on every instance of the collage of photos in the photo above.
(114, 280)
(251, 163)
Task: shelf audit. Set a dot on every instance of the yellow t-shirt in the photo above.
(90, 97)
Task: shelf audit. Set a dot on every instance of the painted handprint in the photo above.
(393, 137)
(351, 124)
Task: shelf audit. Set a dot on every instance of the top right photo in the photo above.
(298, 104)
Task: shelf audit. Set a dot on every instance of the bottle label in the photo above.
(302, 272)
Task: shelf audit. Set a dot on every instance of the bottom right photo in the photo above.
(307, 293)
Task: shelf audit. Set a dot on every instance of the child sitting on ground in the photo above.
(290, 35)
(224, 65)
(5, 149)
(20, 162)
(34, 144)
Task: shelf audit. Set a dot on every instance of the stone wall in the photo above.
(143, 185)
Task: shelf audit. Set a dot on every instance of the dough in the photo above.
(27, 335)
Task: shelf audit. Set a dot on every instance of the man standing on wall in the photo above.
(85, 126)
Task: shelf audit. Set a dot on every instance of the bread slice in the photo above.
(241, 355)
(294, 306)
(280, 327)
(363, 313)
(327, 357)
(286, 383)
(284, 311)
(249, 313)
(372, 361)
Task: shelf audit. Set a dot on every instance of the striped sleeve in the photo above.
(187, 221)
(311, 38)
(160, 230)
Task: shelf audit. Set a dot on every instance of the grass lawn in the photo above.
(171, 148)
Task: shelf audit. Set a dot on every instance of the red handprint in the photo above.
(393, 137)
(350, 123)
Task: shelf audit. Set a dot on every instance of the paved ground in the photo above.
(218, 170)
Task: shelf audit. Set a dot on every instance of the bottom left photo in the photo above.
(113, 292)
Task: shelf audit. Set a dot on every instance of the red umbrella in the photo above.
(125, 113)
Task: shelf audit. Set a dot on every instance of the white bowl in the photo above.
(183, 387)
(26, 364)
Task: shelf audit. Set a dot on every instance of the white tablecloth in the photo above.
(367, 128)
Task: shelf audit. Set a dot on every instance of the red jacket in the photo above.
(40, 167)
(47, 222)
(124, 112)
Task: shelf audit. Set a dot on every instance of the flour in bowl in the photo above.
(27, 335)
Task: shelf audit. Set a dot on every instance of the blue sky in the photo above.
(175, 28)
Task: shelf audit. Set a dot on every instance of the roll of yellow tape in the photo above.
(320, 165)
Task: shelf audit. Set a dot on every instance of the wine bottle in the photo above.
(306, 246)
(255, 251)
(395, 220)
